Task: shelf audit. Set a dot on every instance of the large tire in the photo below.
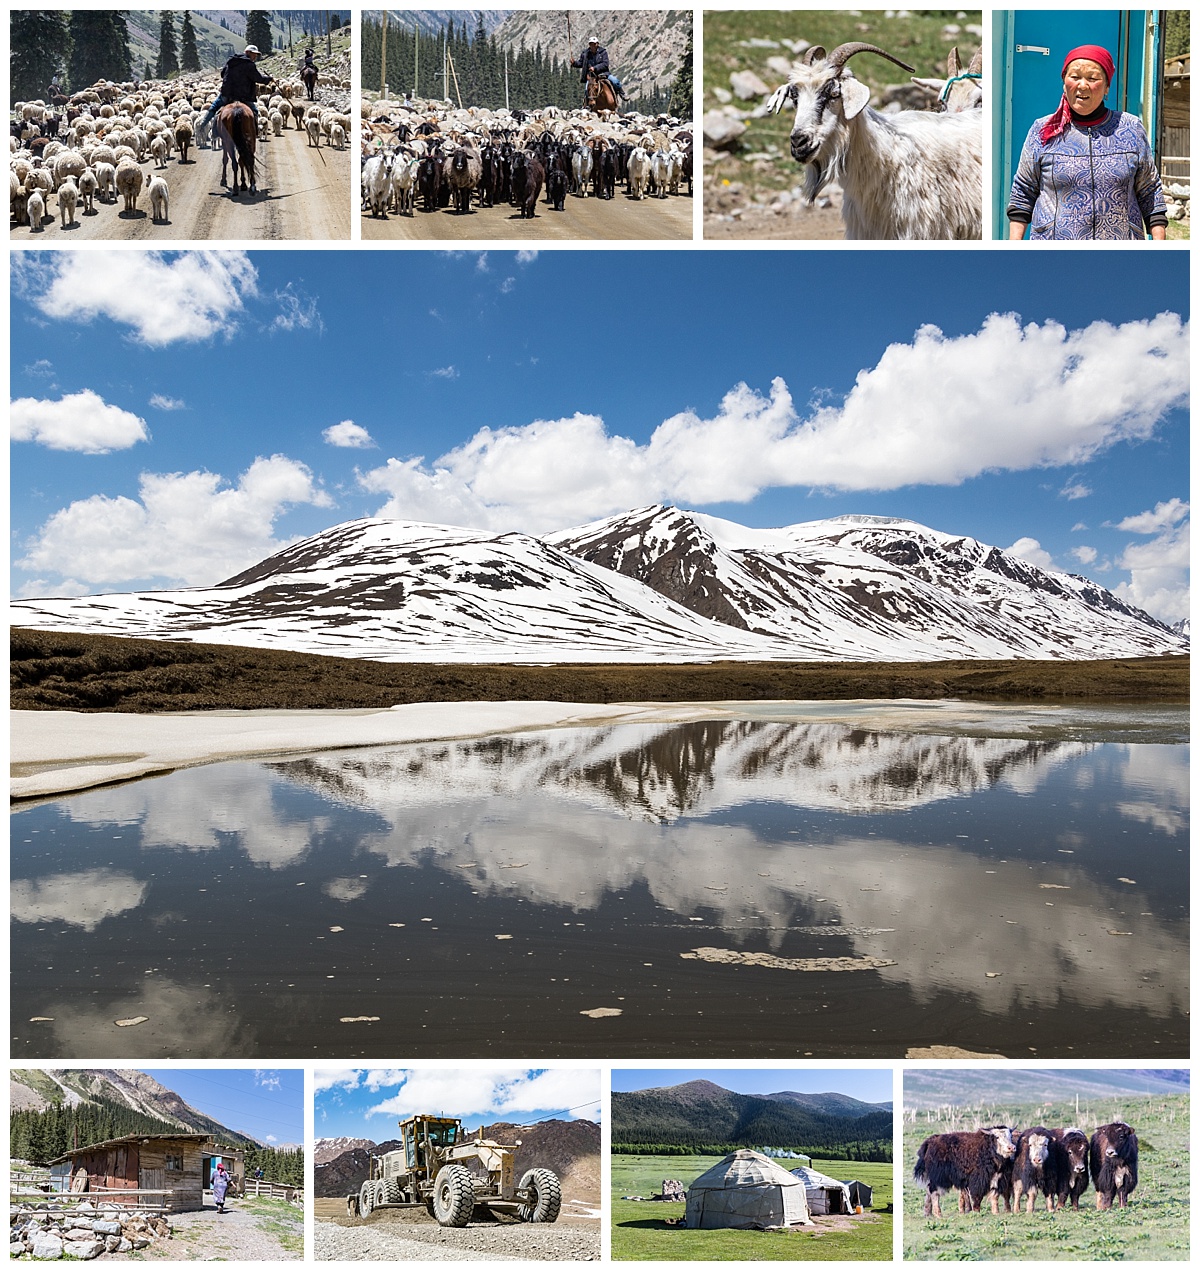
(366, 1198)
(395, 1193)
(545, 1196)
(453, 1196)
(381, 1193)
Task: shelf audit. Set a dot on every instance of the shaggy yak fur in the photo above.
(1074, 1180)
(1039, 1166)
(1113, 1155)
(973, 1162)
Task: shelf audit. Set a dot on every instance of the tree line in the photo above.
(42, 1137)
(277, 1166)
(858, 1150)
(474, 67)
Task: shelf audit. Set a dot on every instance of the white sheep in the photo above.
(276, 122)
(106, 180)
(376, 183)
(129, 183)
(312, 126)
(638, 168)
(158, 148)
(160, 198)
(88, 185)
(35, 210)
(337, 135)
(68, 198)
(912, 175)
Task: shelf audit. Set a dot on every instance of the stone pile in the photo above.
(1178, 196)
(83, 1232)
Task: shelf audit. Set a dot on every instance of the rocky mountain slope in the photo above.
(569, 1148)
(656, 584)
(645, 46)
(38, 1089)
(434, 21)
(326, 1150)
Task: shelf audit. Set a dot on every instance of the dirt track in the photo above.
(303, 193)
(590, 218)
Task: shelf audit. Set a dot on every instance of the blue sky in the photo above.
(177, 417)
(368, 1103)
(871, 1085)
(265, 1103)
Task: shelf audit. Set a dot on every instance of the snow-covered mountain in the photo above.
(326, 1150)
(655, 584)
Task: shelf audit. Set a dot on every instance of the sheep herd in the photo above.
(431, 154)
(113, 143)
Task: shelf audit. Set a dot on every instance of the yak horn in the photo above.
(812, 53)
(844, 52)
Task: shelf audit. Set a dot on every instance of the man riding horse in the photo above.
(239, 79)
(594, 61)
(308, 74)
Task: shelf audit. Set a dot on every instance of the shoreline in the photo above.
(55, 753)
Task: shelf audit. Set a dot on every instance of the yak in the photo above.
(1074, 1180)
(1113, 1155)
(1040, 1165)
(970, 1161)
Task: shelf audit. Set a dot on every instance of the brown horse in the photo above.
(235, 128)
(601, 95)
(308, 77)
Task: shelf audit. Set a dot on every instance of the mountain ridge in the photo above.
(655, 584)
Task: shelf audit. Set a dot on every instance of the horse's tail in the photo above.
(243, 139)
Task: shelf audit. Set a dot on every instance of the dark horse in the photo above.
(235, 127)
(601, 95)
(308, 77)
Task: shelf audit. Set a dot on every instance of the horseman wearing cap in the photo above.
(595, 59)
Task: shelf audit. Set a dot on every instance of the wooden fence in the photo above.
(278, 1191)
(67, 1202)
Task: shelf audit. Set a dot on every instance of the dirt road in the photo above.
(251, 1230)
(303, 194)
(583, 219)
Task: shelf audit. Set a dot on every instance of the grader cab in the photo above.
(436, 1167)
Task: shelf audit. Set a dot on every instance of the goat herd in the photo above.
(438, 157)
(998, 1163)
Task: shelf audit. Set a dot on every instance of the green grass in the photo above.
(640, 1232)
(1154, 1228)
(278, 1219)
(916, 39)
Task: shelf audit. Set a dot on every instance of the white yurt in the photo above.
(748, 1190)
(825, 1195)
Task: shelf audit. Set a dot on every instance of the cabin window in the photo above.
(174, 1162)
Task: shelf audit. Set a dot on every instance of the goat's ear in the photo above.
(855, 96)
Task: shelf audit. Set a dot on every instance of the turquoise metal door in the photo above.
(1028, 48)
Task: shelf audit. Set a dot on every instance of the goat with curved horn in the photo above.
(844, 52)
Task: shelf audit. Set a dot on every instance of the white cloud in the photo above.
(938, 410)
(527, 255)
(1075, 489)
(36, 587)
(81, 421)
(507, 285)
(336, 1078)
(296, 312)
(348, 434)
(488, 1094)
(1158, 569)
(160, 401)
(41, 369)
(446, 372)
(1031, 550)
(271, 1138)
(1084, 555)
(481, 263)
(163, 300)
(269, 1080)
(190, 528)
(1079, 525)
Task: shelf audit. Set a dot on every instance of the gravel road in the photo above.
(237, 1235)
(303, 193)
(620, 218)
(394, 1236)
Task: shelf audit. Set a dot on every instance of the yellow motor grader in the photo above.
(436, 1168)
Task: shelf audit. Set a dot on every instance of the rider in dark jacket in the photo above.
(595, 58)
(308, 61)
(238, 80)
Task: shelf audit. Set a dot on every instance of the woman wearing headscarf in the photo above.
(1087, 172)
(220, 1185)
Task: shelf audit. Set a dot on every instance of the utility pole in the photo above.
(383, 59)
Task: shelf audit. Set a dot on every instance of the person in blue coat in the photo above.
(1087, 172)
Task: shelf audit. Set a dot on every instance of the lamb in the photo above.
(88, 185)
(68, 197)
(129, 184)
(183, 138)
(276, 123)
(913, 175)
(160, 197)
(337, 135)
(158, 148)
(312, 125)
(35, 210)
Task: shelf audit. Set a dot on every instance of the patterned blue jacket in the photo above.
(1097, 182)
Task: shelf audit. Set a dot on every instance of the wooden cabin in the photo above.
(143, 1162)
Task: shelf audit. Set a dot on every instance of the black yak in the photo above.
(1040, 1165)
(1113, 1155)
(1074, 1180)
(973, 1162)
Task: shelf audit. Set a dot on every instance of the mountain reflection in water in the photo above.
(1008, 876)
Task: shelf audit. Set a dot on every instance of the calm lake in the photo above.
(743, 888)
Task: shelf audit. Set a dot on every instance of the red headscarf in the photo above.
(1057, 122)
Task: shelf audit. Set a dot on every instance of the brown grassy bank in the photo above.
(59, 671)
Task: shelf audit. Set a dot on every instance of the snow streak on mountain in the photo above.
(656, 584)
